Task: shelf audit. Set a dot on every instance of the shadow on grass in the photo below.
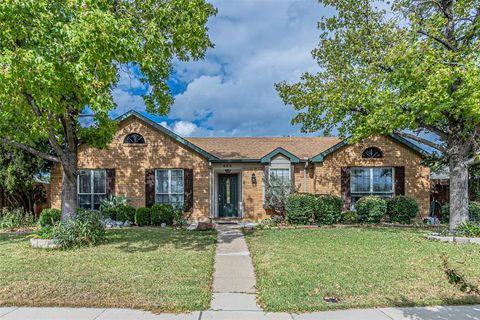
(452, 308)
(147, 239)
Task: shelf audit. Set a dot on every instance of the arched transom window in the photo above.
(372, 153)
(134, 138)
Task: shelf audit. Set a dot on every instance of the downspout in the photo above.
(305, 175)
(210, 192)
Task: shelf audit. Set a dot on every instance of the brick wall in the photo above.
(130, 162)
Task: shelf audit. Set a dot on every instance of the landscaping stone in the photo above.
(43, 243)
(453, 239)
(192, 226)
(163, 225)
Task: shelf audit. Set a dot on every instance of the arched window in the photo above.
(134, 138)
(372, 153)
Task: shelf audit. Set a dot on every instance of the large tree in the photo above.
(60, 60)
(406, 66)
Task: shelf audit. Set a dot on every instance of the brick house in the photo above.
(223, 177)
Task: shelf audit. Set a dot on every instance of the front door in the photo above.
(228, 195)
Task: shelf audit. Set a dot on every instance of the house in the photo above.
(223, 177)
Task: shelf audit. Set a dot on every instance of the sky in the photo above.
(231, 92)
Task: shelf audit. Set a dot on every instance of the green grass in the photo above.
(145, 268)
(363, 267)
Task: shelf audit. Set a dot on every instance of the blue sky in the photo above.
(231, 92)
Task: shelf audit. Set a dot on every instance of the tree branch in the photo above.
(33, 151)
(423, 141)
(445, 44)
(473, 161)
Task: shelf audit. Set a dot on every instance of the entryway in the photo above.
(228, 195)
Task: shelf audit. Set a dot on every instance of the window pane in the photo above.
(85, 202)
(161, 198)
(382, 180)
(97, 199)
(177, 181)
(360, 180)
(162, 181)
(281, 176)
(84, 182)
(176, 199)
(99, 181)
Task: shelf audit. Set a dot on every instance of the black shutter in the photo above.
(110, 182)
(149, 187)
(188, 189)
(345, 187)
(399, 181)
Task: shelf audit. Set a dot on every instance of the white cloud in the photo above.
(182, 128)
(231, 92)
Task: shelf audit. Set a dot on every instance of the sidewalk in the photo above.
(428, 313)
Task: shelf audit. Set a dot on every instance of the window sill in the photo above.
(135, 145)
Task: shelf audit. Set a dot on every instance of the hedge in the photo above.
(126, 213)
(349, 217)
(371, 209)
(142, 216)
(402, 209)
(162, 213)
(300, 208)
(473, 212)
(328, 209)
(49, 217)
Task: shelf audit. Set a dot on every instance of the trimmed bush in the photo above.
(371, 209)
(402, 209)
(126, 212)
(49, 217)
(162, 213)
(474, 211)
(142, 216)
(110, 212)
(349, 217)
(328, 209)
(300, 208)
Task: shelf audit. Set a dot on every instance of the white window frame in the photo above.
(169, 193)
(280, 168)
(92, 194)
(371, 191)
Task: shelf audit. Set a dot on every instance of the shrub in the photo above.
(15, 218)
(44, 233)
(348, 217)
(110, 212)
(402, 209)
(114, 202)
(328, 209)
(468, 229)
(85, 230)
(49, 217)
(162, 213)
(474, 211)
(142, 216)
(125, 212)
(371, 209)
(277, 192)
(300, 208)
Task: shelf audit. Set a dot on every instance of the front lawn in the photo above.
(146, 268)
(363, 267)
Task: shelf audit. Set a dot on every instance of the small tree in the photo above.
(60, 60)
(413, 67)
(276, 193)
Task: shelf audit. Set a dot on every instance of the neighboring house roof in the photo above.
(319, 157)
(255, 148)
(171, 134)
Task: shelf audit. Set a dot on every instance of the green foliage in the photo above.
(142, 216)
(126, 212)
(110, 212)
(328, 209)
(474, 211)
(371, 209)
(162, 213)
(349, 217)
(44, 233)
(468, 229)
(445, 213)
(179, 220)
(15, 218)
(457, 279)
(300, 208)
(49, 217)
(402, 209)
(277, 192)
(114, 202)
(85, 230)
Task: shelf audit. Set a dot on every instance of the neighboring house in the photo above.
(223, 177)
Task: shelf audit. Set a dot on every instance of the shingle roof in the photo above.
(257, 147)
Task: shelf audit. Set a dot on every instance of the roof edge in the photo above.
(171, 134)
(268, 157)
(321, 156)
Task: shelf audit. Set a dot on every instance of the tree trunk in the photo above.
(69, 186)
(458, 191)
